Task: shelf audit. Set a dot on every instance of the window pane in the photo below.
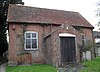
(28, 46)
(28, 43)
(34, 43)
(28, 35)
(33, 35)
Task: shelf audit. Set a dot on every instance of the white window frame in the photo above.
(31, 42)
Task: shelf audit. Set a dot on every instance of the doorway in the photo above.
(68, 49)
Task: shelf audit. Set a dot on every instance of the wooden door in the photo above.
(68, 49)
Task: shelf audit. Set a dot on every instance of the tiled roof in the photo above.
(17, 13)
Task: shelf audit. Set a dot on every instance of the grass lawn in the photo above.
(32, 68)
(92, 66)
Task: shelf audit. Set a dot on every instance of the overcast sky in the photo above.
(86, 8)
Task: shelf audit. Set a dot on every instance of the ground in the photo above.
(87, 66)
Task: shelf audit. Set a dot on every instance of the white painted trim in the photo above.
(30, 38)
(66, 35)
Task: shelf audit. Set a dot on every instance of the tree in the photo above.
(98, 13)
(16, 2)
(3, 24)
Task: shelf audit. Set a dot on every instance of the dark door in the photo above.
(68, 49)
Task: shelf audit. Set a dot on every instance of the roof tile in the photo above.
(17, 13)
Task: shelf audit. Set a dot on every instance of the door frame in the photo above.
(69, 35)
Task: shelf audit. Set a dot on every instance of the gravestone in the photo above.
(84, 56)
(88, 55)
(98, 51)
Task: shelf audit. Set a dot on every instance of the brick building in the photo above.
(39, 35)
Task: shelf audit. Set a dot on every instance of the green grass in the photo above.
(92, 66)
(32, 68)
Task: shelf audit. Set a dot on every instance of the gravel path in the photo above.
(3, 67)
(68, 68)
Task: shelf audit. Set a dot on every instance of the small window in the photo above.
(31, 40)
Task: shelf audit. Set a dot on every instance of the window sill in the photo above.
(31, 49)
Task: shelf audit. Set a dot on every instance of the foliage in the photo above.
(98, 14)
(88, 46)
(3, 24)
(92, 66)
(32, 68)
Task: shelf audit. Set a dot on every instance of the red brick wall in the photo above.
(16, 42)
(88, 34)
(89, 37)
(48, 52)
(56, 56)
(55, 42)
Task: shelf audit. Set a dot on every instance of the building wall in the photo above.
(16, 42)
(89, 37)
(48, 45)
(55, 31)
(88, 34)
(48, 50)
(56, 57)
(53, 43)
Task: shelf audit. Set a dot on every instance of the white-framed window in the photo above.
(31, 40)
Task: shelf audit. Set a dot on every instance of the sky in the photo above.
(87, 8)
